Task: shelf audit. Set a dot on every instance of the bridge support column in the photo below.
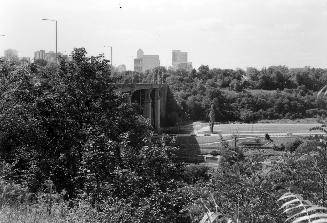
(157, 109)
(129, 98)
(147, 104)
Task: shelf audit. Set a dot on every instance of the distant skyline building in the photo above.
(121, 68)
(39, 55)
(179, 61)
(145, 62)
(140, 53)
(50, 56)
(11, 55)
(178, 57)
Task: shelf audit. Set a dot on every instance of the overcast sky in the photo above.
(219, 33)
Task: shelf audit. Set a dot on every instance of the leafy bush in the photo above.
(13, 194)
(307, 146)
(292, 146)
(195, 91)
(215, 153)
(196, 172)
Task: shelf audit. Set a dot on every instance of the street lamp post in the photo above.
(53, 20)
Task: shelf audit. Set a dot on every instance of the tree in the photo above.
(203, 72)
(236, 85)
(252, 73)
(57, 113)
(159, 73)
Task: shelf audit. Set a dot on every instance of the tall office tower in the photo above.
(179, 60)
(11, 55)
(145, 62)
(39, 55)
(178, 57)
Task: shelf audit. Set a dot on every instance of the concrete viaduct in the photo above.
(152, 98)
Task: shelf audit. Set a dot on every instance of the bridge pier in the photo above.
(157, 109)
(129, 98)
(153, 100)
(147, 105)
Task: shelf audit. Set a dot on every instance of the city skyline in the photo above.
(264, 32)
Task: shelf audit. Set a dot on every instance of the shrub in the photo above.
(12, 194)
(196, 172)
(282, 147)
(292, 146)
(307, 146)
(215, 153)
(279, 148)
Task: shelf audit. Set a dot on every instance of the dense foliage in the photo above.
(247, 96)
(270, 93)
(73, 149)
(65, 124)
